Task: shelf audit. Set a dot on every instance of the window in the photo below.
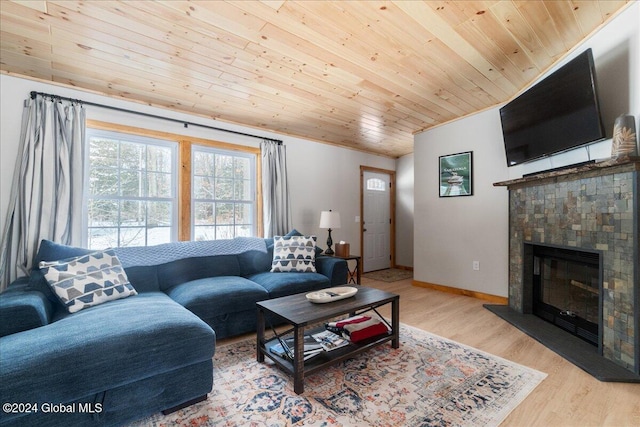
(146, 187)
(376, 184)
(131, 190)
(223, 194)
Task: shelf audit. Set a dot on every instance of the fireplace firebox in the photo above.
(566, 288)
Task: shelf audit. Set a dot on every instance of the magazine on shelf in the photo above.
(278, 350)
(329, 340)
(309, 343)
(285, 348)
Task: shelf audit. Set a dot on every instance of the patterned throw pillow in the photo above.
(294, 253)
(87, 280)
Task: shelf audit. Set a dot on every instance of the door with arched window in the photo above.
(376, 220)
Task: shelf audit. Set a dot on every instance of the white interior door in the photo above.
(376, 224)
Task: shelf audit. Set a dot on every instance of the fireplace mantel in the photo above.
(607, 167)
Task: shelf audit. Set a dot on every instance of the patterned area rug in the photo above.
(389, 275)
(428, 381)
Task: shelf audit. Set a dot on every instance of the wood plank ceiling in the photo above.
(362, 74)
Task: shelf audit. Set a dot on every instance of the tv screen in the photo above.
(558, 113)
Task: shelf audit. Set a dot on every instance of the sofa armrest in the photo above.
(22, 309)
(335, 269)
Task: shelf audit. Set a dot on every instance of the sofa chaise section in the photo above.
(125, 358)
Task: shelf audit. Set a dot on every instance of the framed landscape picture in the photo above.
(456, 178)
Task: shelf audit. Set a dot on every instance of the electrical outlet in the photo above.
(476, 265)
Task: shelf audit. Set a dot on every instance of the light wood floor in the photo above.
(567, 397)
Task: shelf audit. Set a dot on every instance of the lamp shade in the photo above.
(329, 219)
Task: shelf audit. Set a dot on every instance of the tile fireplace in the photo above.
(573, 254)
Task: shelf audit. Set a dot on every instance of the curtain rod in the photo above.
(124, 110)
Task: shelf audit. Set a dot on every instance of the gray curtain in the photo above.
(275, 189)
(46, 193)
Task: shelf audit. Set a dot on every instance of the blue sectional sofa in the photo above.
(125, 359)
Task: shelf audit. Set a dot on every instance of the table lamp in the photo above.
(329, 220)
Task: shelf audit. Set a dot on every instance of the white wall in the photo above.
(450, 233)
(321, 176)
(324, 177)
(404, 210)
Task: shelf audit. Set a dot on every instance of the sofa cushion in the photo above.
(185, 270)
(144, 278)
(102, 347)
(212, 297)
(87, 280)
(22, 309)
(252, 262)
(294, 253)
(279, 285)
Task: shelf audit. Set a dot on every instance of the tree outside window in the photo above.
(131, 198)
(223, 194)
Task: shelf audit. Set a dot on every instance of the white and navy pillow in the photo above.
(87, 280)
(294, 253)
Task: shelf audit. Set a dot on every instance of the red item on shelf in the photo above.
(361, 327)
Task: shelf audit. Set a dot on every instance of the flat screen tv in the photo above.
(559, 113)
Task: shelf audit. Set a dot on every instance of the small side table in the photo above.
(354, 273)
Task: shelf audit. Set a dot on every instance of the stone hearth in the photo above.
(595, 208)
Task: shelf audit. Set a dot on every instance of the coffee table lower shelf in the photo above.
(325, 358)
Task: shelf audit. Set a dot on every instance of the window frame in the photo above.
(184, 175)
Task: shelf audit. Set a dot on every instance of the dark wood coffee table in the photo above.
(298, 312)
